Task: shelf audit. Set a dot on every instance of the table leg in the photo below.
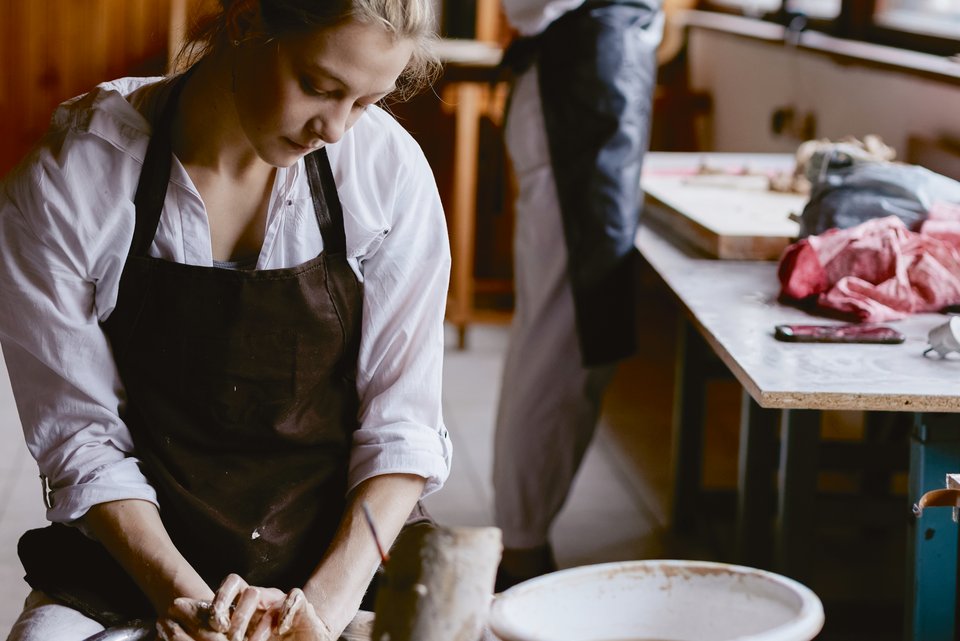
(696, 365)
(931, 603)
(469, 98)
(797, 489)
(756, 463)
(690, 391)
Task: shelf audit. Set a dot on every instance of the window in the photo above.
(819, 9)
(932, 17)
(931, 26)
(798, 15)
(752, 8)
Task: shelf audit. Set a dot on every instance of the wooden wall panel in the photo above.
(56, 49)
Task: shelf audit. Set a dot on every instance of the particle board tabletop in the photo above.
(734, 305)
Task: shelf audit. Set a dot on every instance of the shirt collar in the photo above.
(107, 113)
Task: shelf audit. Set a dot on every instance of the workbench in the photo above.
(732, 305)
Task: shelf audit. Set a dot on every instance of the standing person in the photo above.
(576, 132)
(223, 297)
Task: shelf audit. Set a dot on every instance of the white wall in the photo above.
(751, 78)
(21, 504)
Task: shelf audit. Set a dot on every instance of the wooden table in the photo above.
(733, 306)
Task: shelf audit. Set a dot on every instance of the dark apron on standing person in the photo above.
(241, 399)
(596, 77)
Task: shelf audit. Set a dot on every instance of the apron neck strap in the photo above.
(326, 202)
(155, 174)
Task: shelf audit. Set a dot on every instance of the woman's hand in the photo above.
(188, 620)
(292, 620)
(238, 610)
(238, 607)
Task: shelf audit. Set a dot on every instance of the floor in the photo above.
(618, 509)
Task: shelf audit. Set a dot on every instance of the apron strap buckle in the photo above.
(47, 492)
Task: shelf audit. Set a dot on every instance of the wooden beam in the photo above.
(488, 20)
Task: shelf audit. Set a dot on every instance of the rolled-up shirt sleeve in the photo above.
(64, 379)
(400, 364)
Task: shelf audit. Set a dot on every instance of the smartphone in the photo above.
(848, 333)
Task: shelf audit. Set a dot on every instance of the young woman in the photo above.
(222, 312)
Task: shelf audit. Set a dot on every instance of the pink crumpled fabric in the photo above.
(879, 270)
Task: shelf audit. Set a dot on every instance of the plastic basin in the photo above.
(658, 600)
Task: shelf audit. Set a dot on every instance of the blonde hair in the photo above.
(273, 19)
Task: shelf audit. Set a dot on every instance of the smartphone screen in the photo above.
(848, 333)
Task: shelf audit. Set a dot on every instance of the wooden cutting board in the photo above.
(727, 216)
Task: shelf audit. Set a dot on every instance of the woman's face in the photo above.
(296, 94)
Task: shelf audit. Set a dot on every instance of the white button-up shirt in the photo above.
(530, 17)
(66, 223)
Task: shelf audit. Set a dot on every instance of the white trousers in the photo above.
(44, 619)
(549, 403)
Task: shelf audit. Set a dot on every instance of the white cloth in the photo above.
(530, 17)
(66, 222)
(549, 403)
(44, 619)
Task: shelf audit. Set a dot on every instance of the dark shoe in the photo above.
(521, 564)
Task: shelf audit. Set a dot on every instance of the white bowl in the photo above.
(658, 601)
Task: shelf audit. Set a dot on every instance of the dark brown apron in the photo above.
(241, 398)
(596, 80)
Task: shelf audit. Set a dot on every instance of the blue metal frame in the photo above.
(931, 612)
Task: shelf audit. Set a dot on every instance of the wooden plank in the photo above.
(468, 98)
(488, 20)
(728, 216)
